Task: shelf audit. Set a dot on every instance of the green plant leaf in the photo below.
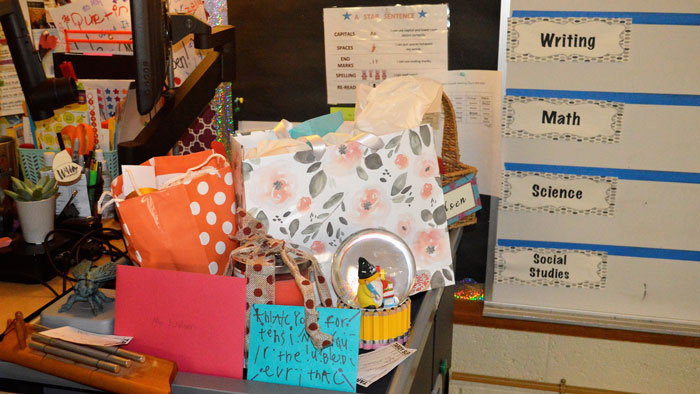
(51, 184)
(49, 193)
(42, 182)
(12, 195)
(18, 186)
(37, 193)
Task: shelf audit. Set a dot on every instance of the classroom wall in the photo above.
(585, 362)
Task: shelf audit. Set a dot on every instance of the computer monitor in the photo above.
(149, 28)
(41, 94)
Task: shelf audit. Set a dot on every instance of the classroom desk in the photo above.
(431, 335)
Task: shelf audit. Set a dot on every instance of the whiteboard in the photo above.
(599, 213)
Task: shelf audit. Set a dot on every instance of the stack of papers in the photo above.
(374, 365)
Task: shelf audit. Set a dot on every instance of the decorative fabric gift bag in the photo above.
(186, 224)
(319, 196)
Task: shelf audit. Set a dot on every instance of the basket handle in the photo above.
(450, 144)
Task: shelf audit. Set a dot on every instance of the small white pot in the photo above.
(36, 218)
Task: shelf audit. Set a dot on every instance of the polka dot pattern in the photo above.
(194, 208)
(213, 268)
(202, 188)
(211, 218)
(204, 238)
(219, 198)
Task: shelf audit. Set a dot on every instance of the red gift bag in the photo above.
(186, 224)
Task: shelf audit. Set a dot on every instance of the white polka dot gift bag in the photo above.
(184, 225)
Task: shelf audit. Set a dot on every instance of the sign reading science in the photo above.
(561, 191)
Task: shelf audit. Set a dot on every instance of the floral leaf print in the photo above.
(323, 216)
(333, 200)
(439, 215)
(426, 215)
(425, 135)
(399, 184)
(293, 227)
(373, 161)
(438, 180)
(406, 189)
(437, 280)
(305, 157)
(398, 199)
(342, 207)
(247, 169)
(329, 229)
(362, 173)
(394, 142)
(318, 183)
(283, 230)
(448, 273)
(313, 167)
(311, 228)
(263, 219)
(414, 139)
(409, 200)
(343, 220)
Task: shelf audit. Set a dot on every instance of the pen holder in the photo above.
(383, 326)
(33, 159)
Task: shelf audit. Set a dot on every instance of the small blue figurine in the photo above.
(370, 292)
(87, 287)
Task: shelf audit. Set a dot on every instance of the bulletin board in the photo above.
(599, 222)
(280, 64)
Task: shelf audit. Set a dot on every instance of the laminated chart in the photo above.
(366, 45)
(600, 209)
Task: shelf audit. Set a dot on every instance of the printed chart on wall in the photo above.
(366, 45)
(599, 219)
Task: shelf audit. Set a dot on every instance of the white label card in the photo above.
(536, 191)
(590, 39)
(541, 117)
(570, 267)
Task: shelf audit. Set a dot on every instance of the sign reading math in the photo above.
(281, 351)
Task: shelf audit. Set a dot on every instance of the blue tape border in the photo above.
(611, 250)
(621, 173)
(638, 18)
(620, 97)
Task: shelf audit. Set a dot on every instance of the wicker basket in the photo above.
(454, 169)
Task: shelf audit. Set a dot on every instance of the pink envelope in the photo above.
(196, 320)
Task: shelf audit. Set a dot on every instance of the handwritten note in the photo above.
(374, 365)
(193, 319)
(76, 335)
(95, 15)
(281, 351)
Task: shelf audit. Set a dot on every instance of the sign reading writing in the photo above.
(281, 351)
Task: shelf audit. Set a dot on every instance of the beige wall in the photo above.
(586, 362)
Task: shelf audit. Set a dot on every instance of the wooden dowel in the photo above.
(76, 357)
(20, 330)
(120, 352)
(84, 350)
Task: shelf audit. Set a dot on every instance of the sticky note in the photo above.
(348, 112)
(196, 320)
(281, 352)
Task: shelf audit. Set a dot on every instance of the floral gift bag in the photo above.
(318, 197)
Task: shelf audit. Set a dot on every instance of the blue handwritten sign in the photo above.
(281, 352)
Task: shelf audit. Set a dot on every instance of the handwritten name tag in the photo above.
(64, 169)
(281, 352)
(461, 198)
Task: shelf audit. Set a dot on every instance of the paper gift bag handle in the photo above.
(191, 170)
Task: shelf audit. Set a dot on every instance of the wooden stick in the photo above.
(21, 330)
(76, 357)
(119, 352)
(84, 350)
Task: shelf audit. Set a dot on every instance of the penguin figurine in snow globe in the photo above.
(369, 292)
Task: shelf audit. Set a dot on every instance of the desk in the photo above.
(431, 335)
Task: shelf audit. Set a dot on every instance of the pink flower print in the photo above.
(318, 247)
(430, 246)
(426, 167)
(368, 206)
(343, 158)
(401, 161)
(427, 191)
(403, 227)
(304, 204)
(276, 186)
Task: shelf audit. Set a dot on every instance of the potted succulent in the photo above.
(36, 207)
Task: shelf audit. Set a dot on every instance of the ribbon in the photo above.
(258, 251)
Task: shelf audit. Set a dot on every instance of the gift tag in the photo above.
(64, 169)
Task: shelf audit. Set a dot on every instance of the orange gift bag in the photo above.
(184, 225)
